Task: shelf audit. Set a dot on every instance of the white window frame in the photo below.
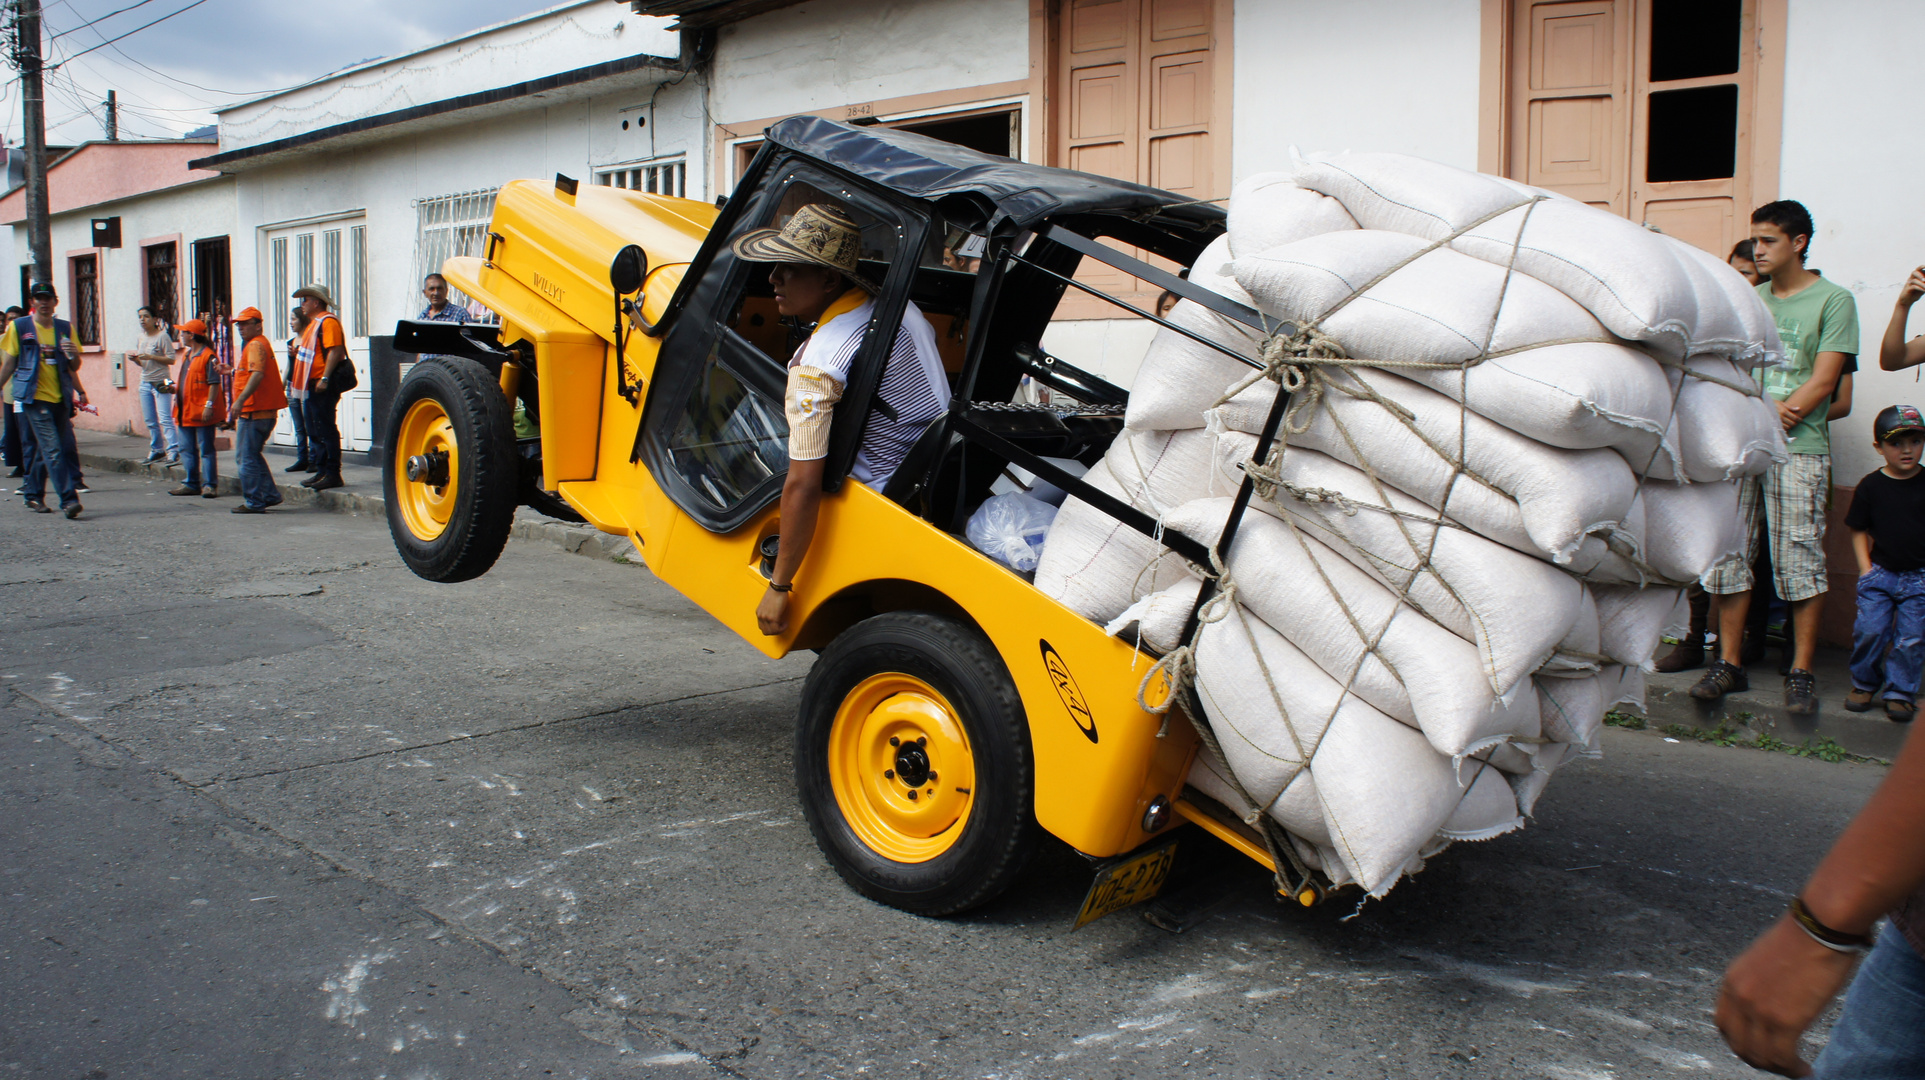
(1018, 104)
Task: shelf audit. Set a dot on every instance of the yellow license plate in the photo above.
(1131, 881)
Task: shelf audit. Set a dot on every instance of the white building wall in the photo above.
(564, 38)
(1395, 75)
(1852, 154)
(830, 53)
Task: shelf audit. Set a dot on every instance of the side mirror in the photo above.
(629, 270)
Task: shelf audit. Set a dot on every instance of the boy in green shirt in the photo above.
(1818, 323)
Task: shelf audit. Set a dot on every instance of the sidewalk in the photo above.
(1761, 709)
(360, 494)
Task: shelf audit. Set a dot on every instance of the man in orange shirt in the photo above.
(323, 355)
(258, 399)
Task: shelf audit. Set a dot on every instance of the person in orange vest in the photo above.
(258, 399)
(198, 410)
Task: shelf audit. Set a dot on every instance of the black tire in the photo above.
(486, 484)
(999, 832)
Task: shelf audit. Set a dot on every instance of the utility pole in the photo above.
(26, 58)
(113, 117)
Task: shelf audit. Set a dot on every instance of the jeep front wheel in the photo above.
(451, 476)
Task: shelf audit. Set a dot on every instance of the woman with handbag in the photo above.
(155, 355)
(199, 409)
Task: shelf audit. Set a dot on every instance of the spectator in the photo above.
(10, 453)
(1887, 523)
(296, 394)
(155, 355)
(1745, 263)
(1775, 990)
(258, 399)
(321, 360)
(199, 410)
(1894, 352)
(435, 288)
(39, 368)
(1818, 323)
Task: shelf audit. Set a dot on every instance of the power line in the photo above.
(103, 18)
(131, 33)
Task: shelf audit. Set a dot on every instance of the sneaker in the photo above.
(323, 483)
(72, 510)
(1801, 693)
(1860, 700)
(210, 493)
(82, 489)
(246, 509)
(172, 459)
(274, 502)
(299, 466)
(16, 471)
(1721, 678)
(185, 489)
(1900, 711)
(158, 455)
(38, 507)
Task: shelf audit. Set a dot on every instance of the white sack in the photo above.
(1156, 622)
(1725, 432)
(1631, 620)
(1095, 565)
(1539, 499)
(1180, 377)
(1690, 528)
(1212, 271)
(1384, 791)
(1441, 689)
(1440, 307)
(1516, 608)
(1572, 710)
(1268, 210)
(1626, 275)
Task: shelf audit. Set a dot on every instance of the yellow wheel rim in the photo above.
(425, 506)
(901, 768)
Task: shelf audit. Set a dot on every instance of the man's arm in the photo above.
(801, 501)
(1776, 989)
(1816, 391)
(1893, 351)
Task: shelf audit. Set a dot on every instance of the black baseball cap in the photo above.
(41, 288)
(1896, 418)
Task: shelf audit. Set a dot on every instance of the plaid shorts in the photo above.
(1792, 497)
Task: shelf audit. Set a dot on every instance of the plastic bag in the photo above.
(1010, 529)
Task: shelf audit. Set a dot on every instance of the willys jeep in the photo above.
(635, 382)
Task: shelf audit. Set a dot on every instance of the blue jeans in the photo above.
(1881, 1034)
(323, 432)
(158, 410)
(257, 483)
(47, 422)
(1891, 615)
(197, 457)
(10, 438)
(297, 415)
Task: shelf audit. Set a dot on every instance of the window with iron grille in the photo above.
(213, 281)
(662, 176)
(331, 266)
(277, 259)
(359, 244)
(86, 308)
(163, 282)
(448, 226)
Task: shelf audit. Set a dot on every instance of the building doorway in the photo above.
(332, 253)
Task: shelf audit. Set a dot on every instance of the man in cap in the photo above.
(258, 399)
(321, 364)
(38, 368)
(817, 254)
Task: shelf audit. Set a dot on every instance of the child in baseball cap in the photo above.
(1887, 523)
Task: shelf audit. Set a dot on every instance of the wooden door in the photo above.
(1642, 107)
(1136, 88)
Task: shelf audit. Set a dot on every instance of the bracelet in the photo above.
(773, 587)
(1835, 940)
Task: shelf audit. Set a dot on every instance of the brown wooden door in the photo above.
(1642, 107)
(1137, 86)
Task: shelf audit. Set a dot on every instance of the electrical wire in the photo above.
(135, 30)
(103, 18)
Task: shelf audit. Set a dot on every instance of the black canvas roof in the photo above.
(1000, 190)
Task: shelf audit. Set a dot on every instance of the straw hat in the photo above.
(819, 234)
(317, 291)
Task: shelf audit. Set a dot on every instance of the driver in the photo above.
(816, 255)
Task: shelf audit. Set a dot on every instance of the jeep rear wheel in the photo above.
(913, 763)
(451, 476)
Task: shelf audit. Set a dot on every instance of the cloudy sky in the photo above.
(171, 75)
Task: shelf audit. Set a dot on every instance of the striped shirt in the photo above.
(913, 385)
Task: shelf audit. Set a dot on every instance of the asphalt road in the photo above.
(276, 808)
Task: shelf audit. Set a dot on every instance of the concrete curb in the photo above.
(572, 538)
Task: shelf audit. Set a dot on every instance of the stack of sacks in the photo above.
(1471, 535)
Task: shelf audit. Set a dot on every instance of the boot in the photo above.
(1688, 654)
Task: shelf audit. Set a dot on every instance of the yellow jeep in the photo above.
(953, 710)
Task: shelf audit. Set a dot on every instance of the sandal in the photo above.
(1900, 711)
